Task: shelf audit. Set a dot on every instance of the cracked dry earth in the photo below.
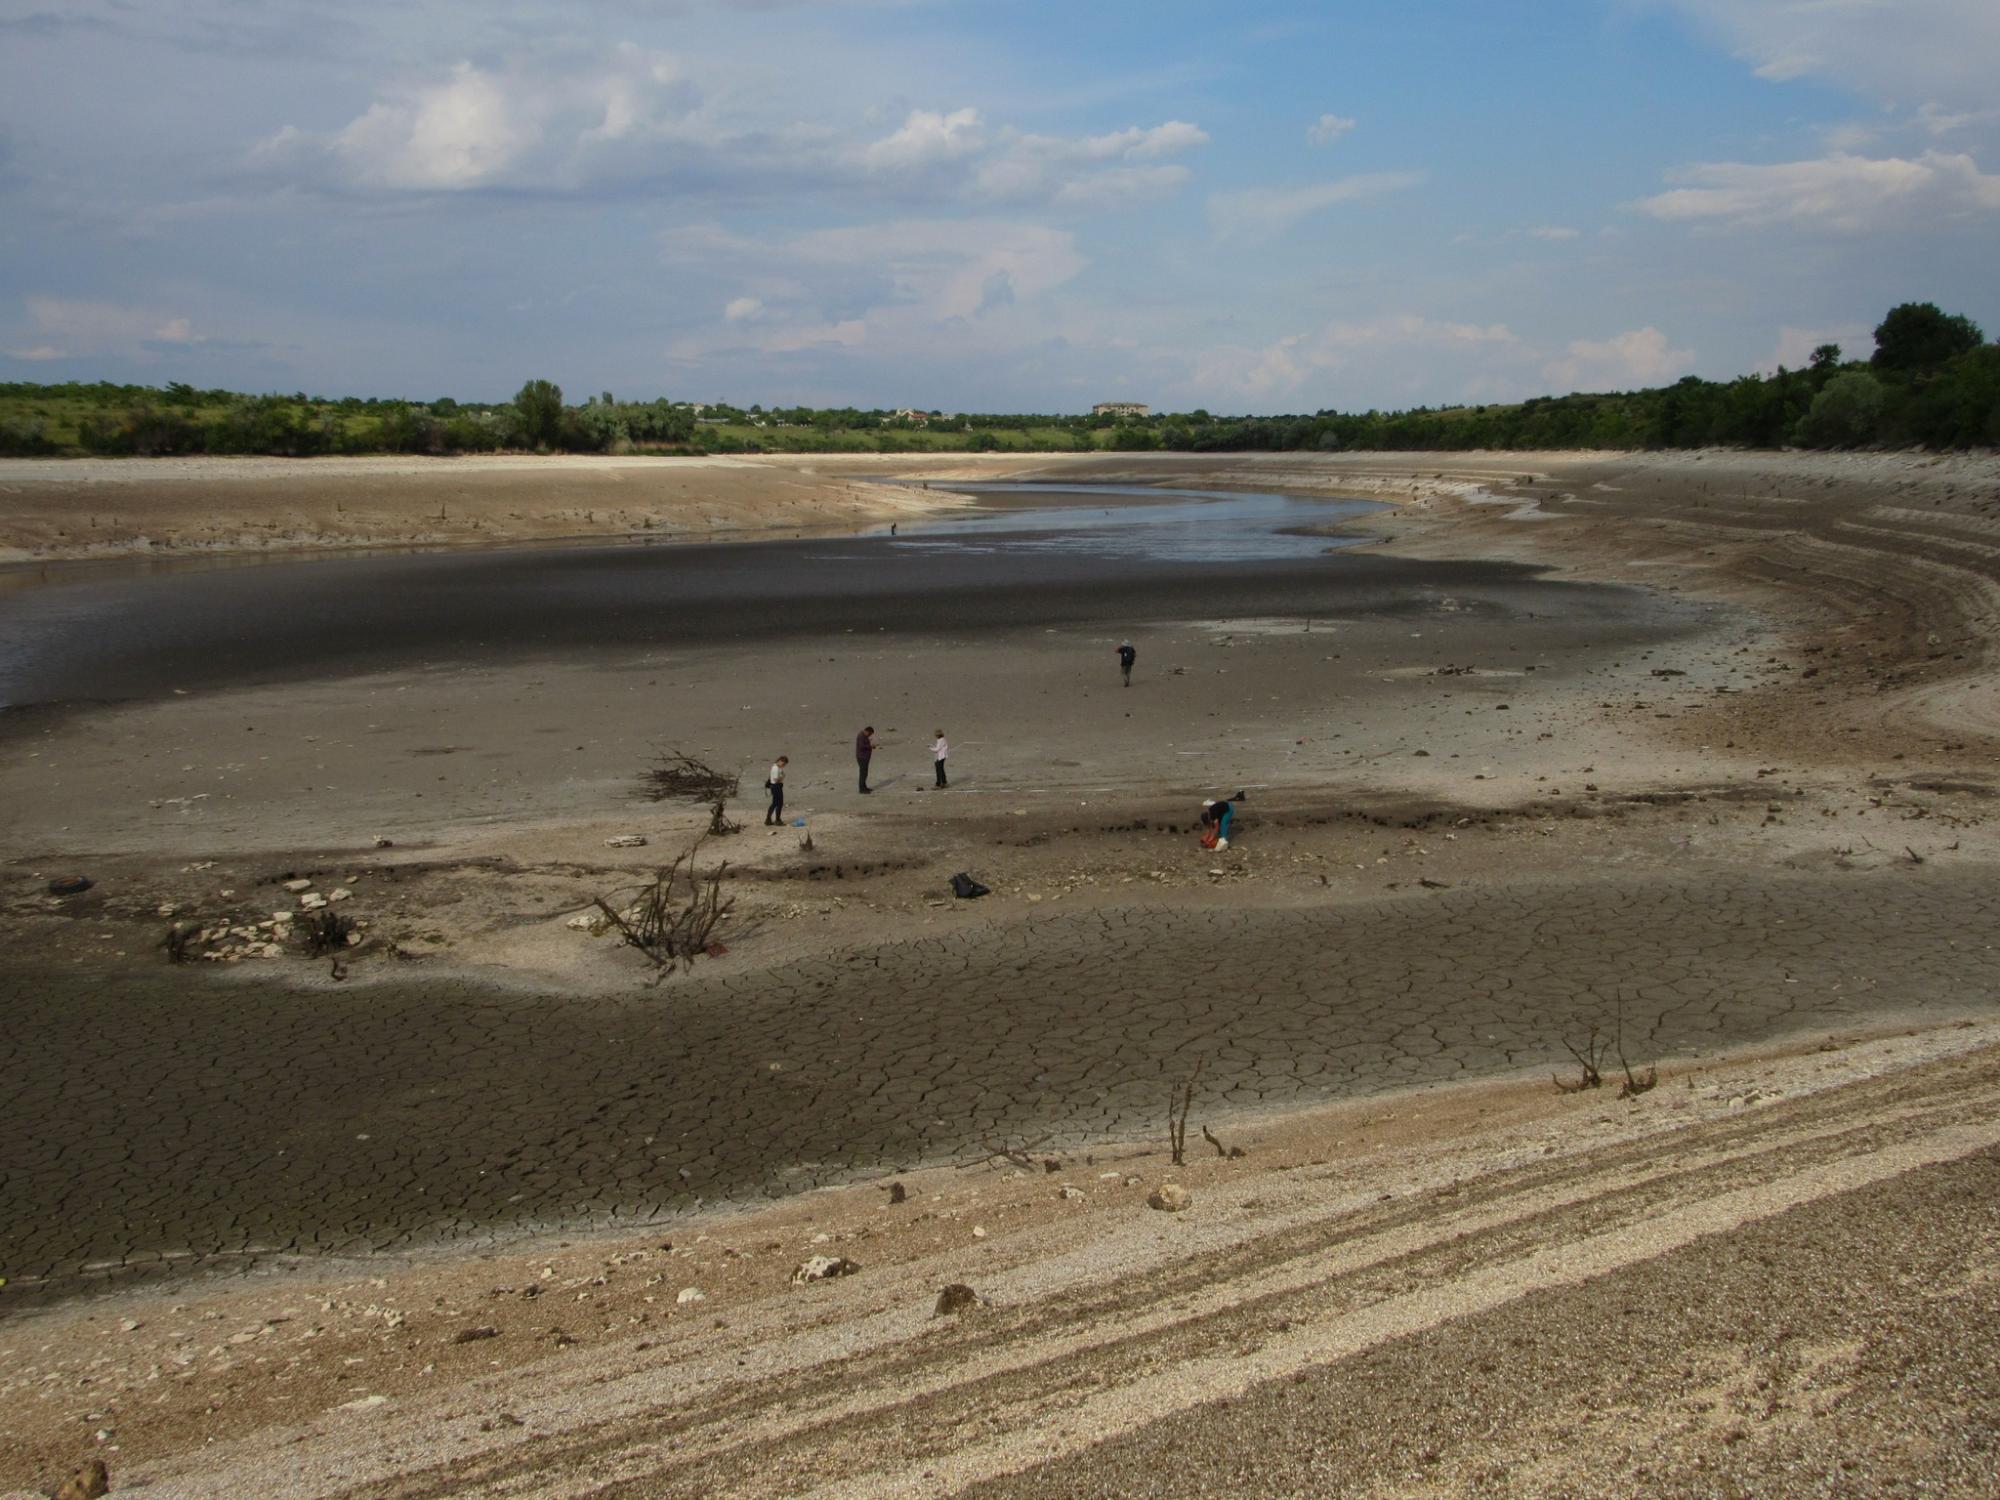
(354, 1122)
(1773, 1277)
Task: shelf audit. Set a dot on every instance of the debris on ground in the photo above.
(1170, 1198)
(626, 841)
(955, 1299)
(966, 888)
(823, 1268)
(674, 773)
(91, 1482)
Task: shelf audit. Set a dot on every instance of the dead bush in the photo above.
(1590, 1061)
(324, 931)
(672, 918)
(675, 773)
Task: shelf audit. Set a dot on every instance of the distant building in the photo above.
(916, 417)
(1121, 409)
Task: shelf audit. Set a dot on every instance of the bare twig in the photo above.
(1179, 1102)
(1228, 1153)
(1588, 1060)
(1634, 1084)
(1020, 1156)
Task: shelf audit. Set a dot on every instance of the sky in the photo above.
(1256, 207)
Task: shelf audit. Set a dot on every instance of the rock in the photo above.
(298, 885)
(689, 1294)
(339, 893)
(823, 1268)
(1070, 1194)
(1170, 1198)
(365, 1403)
(955, 1299)
(312, 901)
(90, 1482)
(474, 1335)
(382, 843)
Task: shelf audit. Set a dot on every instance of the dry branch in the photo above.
(675, 773)
(1179, 1102)
(672, 919)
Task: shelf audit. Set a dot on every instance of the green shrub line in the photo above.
(1932, 382)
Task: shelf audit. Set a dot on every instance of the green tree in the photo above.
(1919, 336)
(1847, 413)
(539, 407)
(1825, 357)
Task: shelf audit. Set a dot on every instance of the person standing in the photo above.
(1126, 656)
(775, 785)
(864, 751)
(940, 752)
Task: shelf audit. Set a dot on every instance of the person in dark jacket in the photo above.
(864, 751)
(1126, 656)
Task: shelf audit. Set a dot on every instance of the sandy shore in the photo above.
(1748, 810)
(66, 509)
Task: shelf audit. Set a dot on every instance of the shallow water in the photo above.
(91, 633)
(1190, 526)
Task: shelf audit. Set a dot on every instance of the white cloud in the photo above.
(744, 309)
(67, 326)
(1554, 233)
(893, 287)
(1083, 170)
(1935, 121)
(927, 138)
(1851, 193)
(456, 134)
(1289, 365)
(639, 120)
(1328, 128)
(1908, 51)
(1642, 357)
(1262, 212)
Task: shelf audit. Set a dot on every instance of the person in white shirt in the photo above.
(775, 784)
(940, 752)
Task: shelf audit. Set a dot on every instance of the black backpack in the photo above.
(966, 888)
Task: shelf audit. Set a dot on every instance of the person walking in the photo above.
(864, 751)
(940, 752)
(775, 785)
(1126, 656)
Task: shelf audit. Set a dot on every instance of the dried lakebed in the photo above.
(165, 1123)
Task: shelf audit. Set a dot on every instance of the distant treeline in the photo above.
(1932, 381)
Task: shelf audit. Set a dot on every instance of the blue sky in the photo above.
(1258, 207)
